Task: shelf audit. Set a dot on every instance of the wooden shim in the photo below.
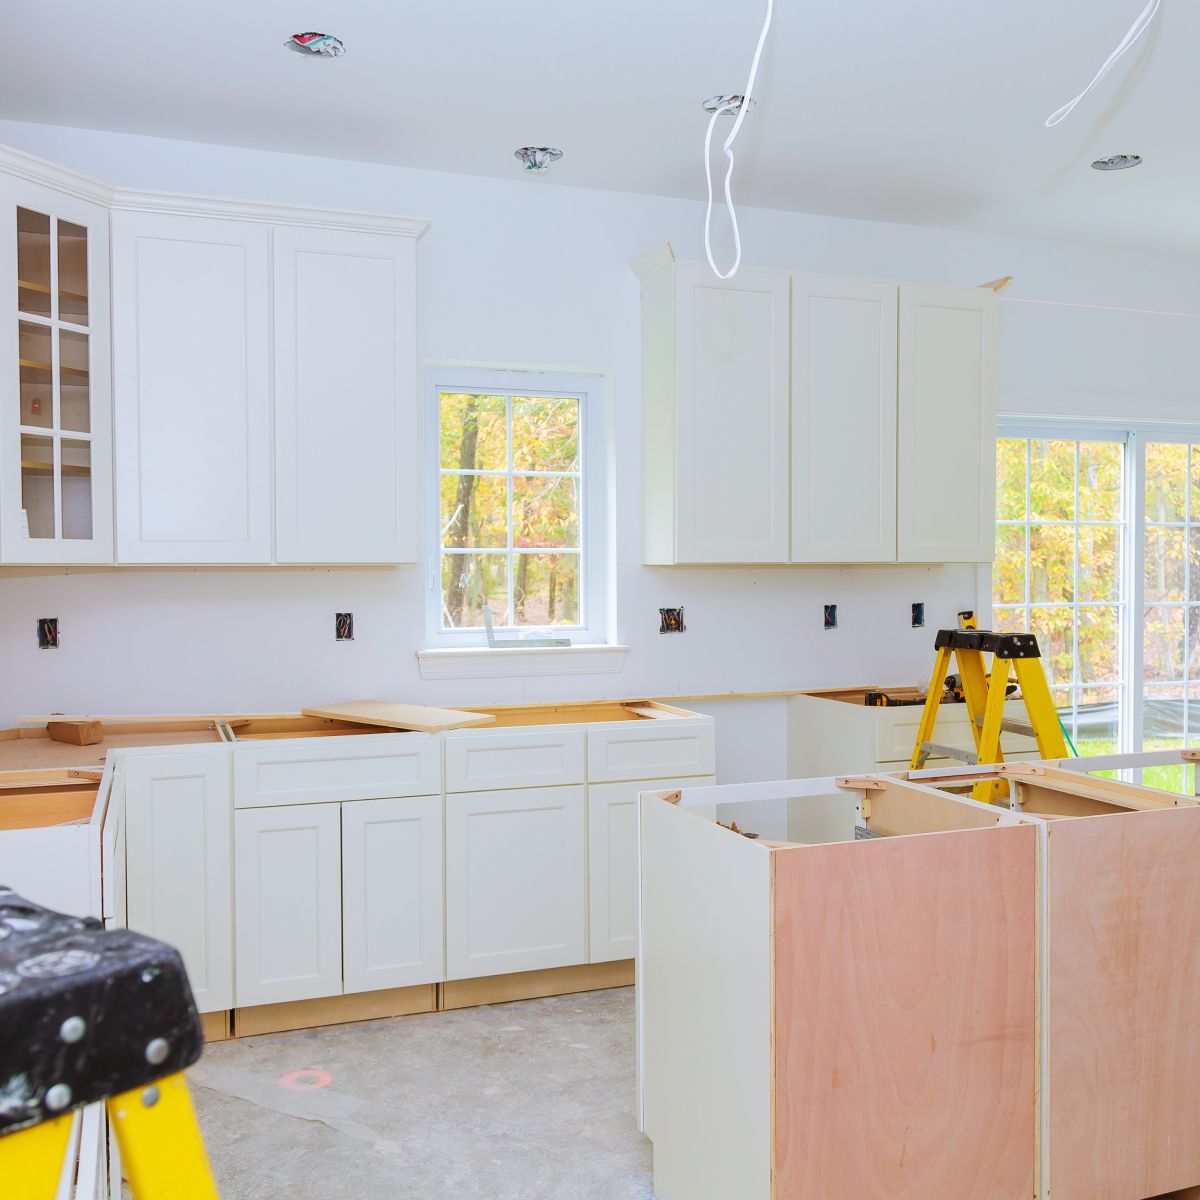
(531, 985)
(400, 716)
(334, 1010)
(905, 1018)
(76, 733)
(1123, 976)
(998, 285)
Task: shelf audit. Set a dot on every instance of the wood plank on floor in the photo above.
(533, 985)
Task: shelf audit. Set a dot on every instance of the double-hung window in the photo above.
(517, 504)
(1098, 553)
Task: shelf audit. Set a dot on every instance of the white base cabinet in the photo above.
(289, 905)
(391, 893)
(613, 864)
(177, 837)
(515, 881)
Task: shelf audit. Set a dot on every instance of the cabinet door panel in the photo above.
(289, 904)
(193, 400)
(392, 893)
(515, 881)
(843, 420)
(613, 863)
(345, 397)
(732, 417)
(55, 377)
(946, 496)
(178, 879)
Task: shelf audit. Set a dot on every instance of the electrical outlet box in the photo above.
(670, 620)
(830, 616)
(47, 633)
(343, 627)
(918, 616)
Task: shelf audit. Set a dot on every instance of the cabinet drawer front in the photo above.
(316, 770)
(392, 928)
(529, 758)
(515, 881)
(896, 731)
(651, 750)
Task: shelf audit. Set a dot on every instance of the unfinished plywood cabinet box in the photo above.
(1000, 995)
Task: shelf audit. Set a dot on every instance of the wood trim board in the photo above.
(333, 1010)
(533, 985)
(390, 715)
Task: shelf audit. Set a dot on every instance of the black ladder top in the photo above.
(1002, 645)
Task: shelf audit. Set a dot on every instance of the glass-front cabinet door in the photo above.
(55, 386)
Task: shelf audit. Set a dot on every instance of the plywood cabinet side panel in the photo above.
(888, 1082)
(191, 335)
(346, 445)
(659, 497)
(704, 1007)
(843, 420)
(732, 416)
(1124, 974)
(946, 482)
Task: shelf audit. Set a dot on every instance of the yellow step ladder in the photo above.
(1014, 656)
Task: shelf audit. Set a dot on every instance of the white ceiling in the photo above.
(927, 112)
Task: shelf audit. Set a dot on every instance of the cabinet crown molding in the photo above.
(40, 171)
(215, 207)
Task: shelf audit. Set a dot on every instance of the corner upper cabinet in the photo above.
(346, 395)
(843, 420)
(55, 402)
(191, 325)
(715, 409)
(946, 487)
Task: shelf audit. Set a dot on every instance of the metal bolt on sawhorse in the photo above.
(90, 1015)
(1014, 655)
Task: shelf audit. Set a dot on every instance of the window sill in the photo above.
(483, 662)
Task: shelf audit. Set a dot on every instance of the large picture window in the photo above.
(1098, 553)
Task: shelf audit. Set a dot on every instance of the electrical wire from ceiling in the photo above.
(740, 106)
(1143, 22)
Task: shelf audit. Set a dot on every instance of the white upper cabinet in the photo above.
(55, 368)
(843, 420)
(191, 323)
(946, 495)
(345, 397)
(715, 397)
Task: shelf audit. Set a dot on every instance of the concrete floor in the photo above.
(526, 1101)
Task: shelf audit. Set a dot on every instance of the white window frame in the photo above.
(590, 390)
(1135, 435)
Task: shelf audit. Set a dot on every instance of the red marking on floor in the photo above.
(305, 1081)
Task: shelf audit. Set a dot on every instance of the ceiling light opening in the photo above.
(316, 45)
(729, 105)
(537, 159)
(1117, 162)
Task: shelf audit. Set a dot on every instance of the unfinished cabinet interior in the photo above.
(191, 356)
(814, 419)
(55, 394)
(1007, 1005)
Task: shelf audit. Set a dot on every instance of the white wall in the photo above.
(524, 271)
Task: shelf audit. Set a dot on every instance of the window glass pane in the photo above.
(474, 511)
(1165, 562)
(545, 433)
(76, 489)
(1099, 638)
(1008, 571)
(1010, 620)
(1055, 631)
(1162, 640)
(1096, 720)
(545, 511)
(1194, 563)
(1099, 562)
(1192, 629)
(469, 581)
(76, 409)
(546, 589)
(33, 262)
(37, 485)
(1011, 455)
(72, 273)
(1100, 466)
(1052, 480)
(474, 432)
(1195, 489)
(1052, 563)
(1166, 481)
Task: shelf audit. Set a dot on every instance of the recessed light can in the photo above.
(1117, 162)
(322, 45)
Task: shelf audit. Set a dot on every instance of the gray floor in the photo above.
(511, 1102)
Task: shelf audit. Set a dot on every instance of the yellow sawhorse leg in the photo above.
(161, 1147)
(989, 735)
(31, 1161)
(1039, 704)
